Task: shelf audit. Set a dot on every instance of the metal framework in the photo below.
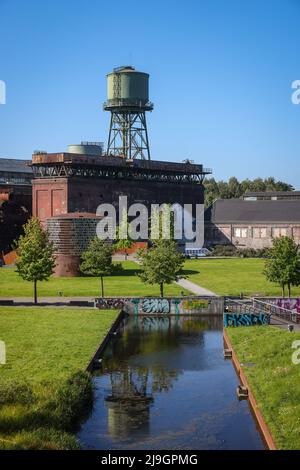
(128, 136)
(65, 170)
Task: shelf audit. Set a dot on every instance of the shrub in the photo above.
(74, 400)
(16, 393)
(40, 439)
(224, 250)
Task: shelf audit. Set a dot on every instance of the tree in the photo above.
(97, 260)
(35, 255)
(161, 264)
(283, 266)
(124, 229)
(235, 188)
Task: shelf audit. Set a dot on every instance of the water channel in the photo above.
(164, 384)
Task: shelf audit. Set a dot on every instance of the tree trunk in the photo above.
(35, 291)
(161, 287)
(289, 290)
(102, 288)
(283, 290)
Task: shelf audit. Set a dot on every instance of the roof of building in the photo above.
(271, 193)
(261, 211)
(14, 165)
(107, 161)
(76, 215)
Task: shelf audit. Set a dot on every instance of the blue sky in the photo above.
(220, 78)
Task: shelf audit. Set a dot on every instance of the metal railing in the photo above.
(279, 312)
(238, 307)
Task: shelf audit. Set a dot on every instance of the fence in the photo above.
(279, 312)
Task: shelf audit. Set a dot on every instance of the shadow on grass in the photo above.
(189, 272)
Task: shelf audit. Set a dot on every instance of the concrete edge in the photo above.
(103, 344)
(265, 432)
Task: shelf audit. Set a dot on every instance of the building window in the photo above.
(279, 232)
(259, 232)
(240, 232)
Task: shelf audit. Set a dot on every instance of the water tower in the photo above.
(128, 101)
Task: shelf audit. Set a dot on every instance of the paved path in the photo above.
(194, 288)
(58, 301)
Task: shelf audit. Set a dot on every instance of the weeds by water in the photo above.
(44, 416)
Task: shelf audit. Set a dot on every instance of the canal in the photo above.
(164, 384)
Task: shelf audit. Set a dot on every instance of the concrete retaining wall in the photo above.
(164, 306)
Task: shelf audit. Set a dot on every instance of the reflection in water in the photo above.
(165, 385)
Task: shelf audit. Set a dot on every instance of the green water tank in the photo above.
(127, 87)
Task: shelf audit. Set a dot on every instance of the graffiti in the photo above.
(155, 306)
(156, 322)
(195, 304)
(246, 319)
(106, 304)
(288, 309)
(288, 304)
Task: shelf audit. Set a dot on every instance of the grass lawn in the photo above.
(274, 379)
(43, 387)
(231, 276)
(126, 283)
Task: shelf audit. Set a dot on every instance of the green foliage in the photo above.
(19, 393)
(44, 392)
(39, 439)
(46, 419)
(123, 229)
(97, 259)
(273, 378)
(73, 399)
(235, 188)
(230, 250)
(162, 224)
(224, 250)
(161, 264)
(231, 276)
(283, 266)
(35, 254)
(121, 283)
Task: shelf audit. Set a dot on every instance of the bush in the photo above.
(40, 439)
(43, 417)
(230, 250)
(74, 400)
(224, 250)
(16, 393)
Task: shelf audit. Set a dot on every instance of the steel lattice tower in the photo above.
(128, 102)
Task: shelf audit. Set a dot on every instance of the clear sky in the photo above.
(220, 78)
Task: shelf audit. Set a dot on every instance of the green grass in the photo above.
(274, 379)
(231, 276)
(43, 389)
(126, 283)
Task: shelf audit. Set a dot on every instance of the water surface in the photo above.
(165, 385)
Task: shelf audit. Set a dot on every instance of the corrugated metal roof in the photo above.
(271, 193)
(14, 165)
(240, 211)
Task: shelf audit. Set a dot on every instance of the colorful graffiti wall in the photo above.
(289, 304)
(164, 306)
(246, 319)
(292, 304)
